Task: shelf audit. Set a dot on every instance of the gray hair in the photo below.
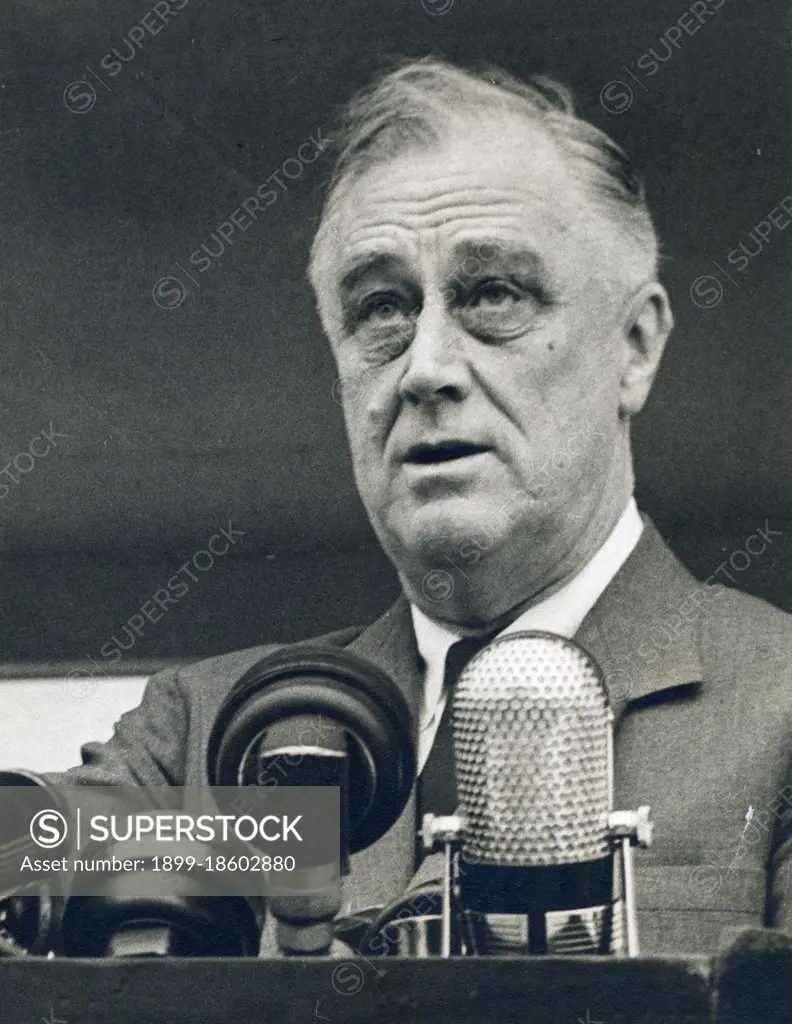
(417, 103)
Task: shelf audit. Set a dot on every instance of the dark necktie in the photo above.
(437, 791)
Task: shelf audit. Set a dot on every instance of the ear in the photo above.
(647, 324)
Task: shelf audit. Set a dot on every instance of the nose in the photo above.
(437, 368)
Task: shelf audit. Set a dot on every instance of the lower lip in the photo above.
(446, 467)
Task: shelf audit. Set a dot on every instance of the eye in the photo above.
(493, 295)
(382, 309)
(496, 310)
(383, 325)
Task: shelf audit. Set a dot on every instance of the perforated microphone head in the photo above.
(534, 754)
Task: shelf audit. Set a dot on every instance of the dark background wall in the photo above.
(179, 419)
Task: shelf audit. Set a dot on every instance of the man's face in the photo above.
(478, 342)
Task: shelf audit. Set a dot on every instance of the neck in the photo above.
(503, 583)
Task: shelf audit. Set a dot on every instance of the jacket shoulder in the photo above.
(748, 636)
(231, 666)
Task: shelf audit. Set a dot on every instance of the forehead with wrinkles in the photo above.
(502, 182)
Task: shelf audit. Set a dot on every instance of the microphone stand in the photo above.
(444, 831)
(626, 830)
(306, 902)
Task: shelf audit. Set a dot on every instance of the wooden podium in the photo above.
(512, 990)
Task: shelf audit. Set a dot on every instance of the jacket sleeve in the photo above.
(148, 745)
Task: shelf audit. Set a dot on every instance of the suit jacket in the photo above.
(700, 678)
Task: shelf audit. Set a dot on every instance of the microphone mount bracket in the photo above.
(439, 830)
(633, 825)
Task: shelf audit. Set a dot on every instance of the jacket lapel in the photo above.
(636, 632)
(390, 643)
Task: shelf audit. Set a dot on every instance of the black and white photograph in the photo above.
(395, 512)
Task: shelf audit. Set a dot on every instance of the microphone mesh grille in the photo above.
(531, 742)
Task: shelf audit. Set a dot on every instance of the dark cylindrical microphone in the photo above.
(317, 716)
(24, 796)
(29, 911)
(533, 746)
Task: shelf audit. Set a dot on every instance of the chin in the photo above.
(433, 532)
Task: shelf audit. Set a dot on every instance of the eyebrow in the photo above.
(525, 260)
(368, 264)
(519, 259)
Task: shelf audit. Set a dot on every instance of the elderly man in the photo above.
(486, 273)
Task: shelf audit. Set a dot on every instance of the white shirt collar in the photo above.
(562, 613)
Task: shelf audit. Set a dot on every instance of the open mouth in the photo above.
(445, 451)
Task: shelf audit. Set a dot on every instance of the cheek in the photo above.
(366, 425)
(531, 383)
(584, 369)
(559, 401)
(370, 399)
(366, 461)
